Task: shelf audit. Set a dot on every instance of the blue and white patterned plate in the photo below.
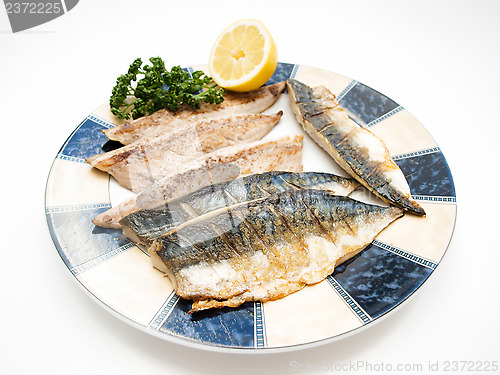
(119, 275)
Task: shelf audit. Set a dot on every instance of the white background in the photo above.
(438, 59)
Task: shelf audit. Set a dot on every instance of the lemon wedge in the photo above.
(244, 56)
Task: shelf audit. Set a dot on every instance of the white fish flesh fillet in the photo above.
(282, 154)
(164, 120)
(138, 165)
(357, 150)
(266, 249)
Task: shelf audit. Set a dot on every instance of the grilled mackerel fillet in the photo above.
(357, 150)
(146, 225)
(268, 248)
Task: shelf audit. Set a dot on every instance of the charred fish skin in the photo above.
(269, 247)
(204, 243)
(145, 225)
(356, 149)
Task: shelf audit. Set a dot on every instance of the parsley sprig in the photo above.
(149, 88)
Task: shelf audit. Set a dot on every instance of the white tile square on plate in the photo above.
(314, 313)
(129, 284)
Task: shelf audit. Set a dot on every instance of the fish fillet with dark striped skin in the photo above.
(164, 120)
(266, 249)
(281, 154)
(139, 164)
(146, 225)
(357, 150)
(192, 177)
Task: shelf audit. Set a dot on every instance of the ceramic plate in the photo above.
(119, 275)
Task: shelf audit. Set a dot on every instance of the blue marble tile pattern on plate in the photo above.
(232, 327)
(86, 140)
(164, 311)
(427, 173)
(379, 280)
(283, 72)
(362, 315)
(413, 257)
(367, 103)
(77, 239)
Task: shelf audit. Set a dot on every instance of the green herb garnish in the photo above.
(149, 88)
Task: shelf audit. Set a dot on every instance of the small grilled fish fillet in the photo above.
(138, 165)
(164, 120)
(283, 154)
(357, 150)
(146, 225)
(266, 249)
(192, 177)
